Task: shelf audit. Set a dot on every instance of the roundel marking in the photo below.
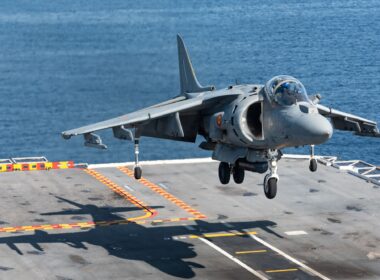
(219, 120)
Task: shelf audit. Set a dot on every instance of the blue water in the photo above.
(64, 64)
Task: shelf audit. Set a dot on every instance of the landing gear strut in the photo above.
(271, 179)
(313, 162)
(137, 169)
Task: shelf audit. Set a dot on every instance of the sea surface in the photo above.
(64, 64)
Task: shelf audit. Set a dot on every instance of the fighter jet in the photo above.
(245, 126)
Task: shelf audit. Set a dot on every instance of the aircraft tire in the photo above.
(238, 174)
(313, 165)
(270, 187)
(224, 173)
(137, 172)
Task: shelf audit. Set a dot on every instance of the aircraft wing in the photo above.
(349, 122)
(136, 117)
(169, 109)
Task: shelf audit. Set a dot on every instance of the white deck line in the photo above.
(163, 186)
(232, 258)
(129, 188)
(297, 262)
(182, 161)
(295, 232)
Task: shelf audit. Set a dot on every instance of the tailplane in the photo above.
(188, 80)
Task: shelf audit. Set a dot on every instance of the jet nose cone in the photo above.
(321, 130)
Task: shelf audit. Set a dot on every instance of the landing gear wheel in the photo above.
(313, 165)
(270, 186)
(238, 174)
(224, 173)
(137, 172)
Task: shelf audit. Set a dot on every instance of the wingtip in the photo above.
(65, 135)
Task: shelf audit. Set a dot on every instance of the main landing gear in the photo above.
(225, 170)
(238, 172)
(271, 179)
(313, 162)
(224, 173)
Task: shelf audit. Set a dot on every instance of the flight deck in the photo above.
(178, 221)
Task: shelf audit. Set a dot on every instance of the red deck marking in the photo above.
(34, 166)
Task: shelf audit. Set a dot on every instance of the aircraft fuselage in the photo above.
(252, 121)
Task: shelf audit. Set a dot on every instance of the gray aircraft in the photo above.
(245, 125)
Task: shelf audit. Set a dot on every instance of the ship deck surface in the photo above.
(180, 222)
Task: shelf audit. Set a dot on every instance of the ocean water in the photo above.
(64, 64)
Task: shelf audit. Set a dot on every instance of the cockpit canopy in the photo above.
(286, 90)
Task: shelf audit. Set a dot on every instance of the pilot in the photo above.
(283, 89)
(285, 94)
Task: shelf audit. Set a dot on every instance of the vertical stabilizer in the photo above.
(188, 80)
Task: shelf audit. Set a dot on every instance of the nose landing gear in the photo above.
(270, 186)
(271, 179)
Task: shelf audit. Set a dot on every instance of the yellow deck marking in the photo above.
(89, 224)
(250, 252)
(286, 256)
(35, 166)
(149, 212)
(164, 194)
(225, 234)
(281, 270)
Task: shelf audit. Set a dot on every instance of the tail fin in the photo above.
(188, 80)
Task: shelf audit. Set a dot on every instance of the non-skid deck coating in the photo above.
(180, 222)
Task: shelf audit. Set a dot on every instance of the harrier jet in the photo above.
(245, 126)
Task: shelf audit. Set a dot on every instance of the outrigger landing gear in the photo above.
(271, 179)
(137, 169)
(313, 162)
